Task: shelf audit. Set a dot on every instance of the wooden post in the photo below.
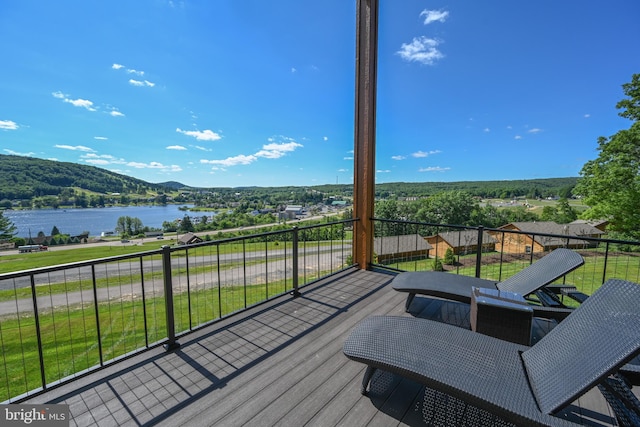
(365, 130)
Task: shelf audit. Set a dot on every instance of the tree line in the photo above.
(462, 208)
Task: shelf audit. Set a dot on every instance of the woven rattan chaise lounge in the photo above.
(458, 288)
(520, 384)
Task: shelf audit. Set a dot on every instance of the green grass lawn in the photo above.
(70, 336)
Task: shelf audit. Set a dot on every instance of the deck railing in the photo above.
(497, 254)
(58, 323)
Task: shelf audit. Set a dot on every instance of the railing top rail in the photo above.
(78, 264)
(502, 230)
(116, 258)
(259, 235)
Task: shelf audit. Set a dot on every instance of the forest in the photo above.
(27, 178)
(39, 183)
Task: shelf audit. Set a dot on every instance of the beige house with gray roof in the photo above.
(461, 242)
(553, 236)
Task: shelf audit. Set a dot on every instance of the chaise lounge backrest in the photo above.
(586, 347)
(542, 272)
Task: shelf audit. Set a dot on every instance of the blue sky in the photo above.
(228, 93)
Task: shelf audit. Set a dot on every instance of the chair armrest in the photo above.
(575, 294)
(555, 313)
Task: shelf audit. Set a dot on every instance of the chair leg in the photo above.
(409, 301)
(367, 378)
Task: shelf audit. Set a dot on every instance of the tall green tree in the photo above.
(7, 228)
(450, 207)
(129, 226)
(610, 183)
(186, 225)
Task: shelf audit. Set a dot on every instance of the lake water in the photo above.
(93, 220)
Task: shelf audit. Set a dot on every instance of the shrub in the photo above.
(449, 257)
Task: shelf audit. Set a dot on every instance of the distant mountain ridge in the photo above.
(27, 177)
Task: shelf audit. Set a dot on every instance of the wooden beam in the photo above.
(365, 130)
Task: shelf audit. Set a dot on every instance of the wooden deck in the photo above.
(280, 363)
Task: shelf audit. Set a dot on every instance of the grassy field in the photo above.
(70, 336)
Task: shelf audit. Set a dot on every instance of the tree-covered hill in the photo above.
(27, 177)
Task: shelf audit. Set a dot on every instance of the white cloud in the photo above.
(15, 153)
(101, 138)
(420, 154)
(518, 137)
(98, 162)
(232, 161)
(325, 138)
(155, 165)
(84, 103)
(139, 83)
(275, 151)
(202, 148)
(269, 151)
(73, 147)
(8, 125)
(586, 116)
(383, 171)
(128, 70)
(347, 158)
(487, 130)
(205, 135)
(421, 49)
(534, 130)
(433, 169)
(107, 159)
(398, 157)
(102, 159)
(434, 16)
(293, 70)
(176, 147)
(116, 113)
(279, 138)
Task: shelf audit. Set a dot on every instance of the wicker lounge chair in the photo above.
(458, 288)
(520, 384)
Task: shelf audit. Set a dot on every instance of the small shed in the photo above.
(189, 239)
(461, 242)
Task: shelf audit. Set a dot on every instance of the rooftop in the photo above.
(279, 363)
